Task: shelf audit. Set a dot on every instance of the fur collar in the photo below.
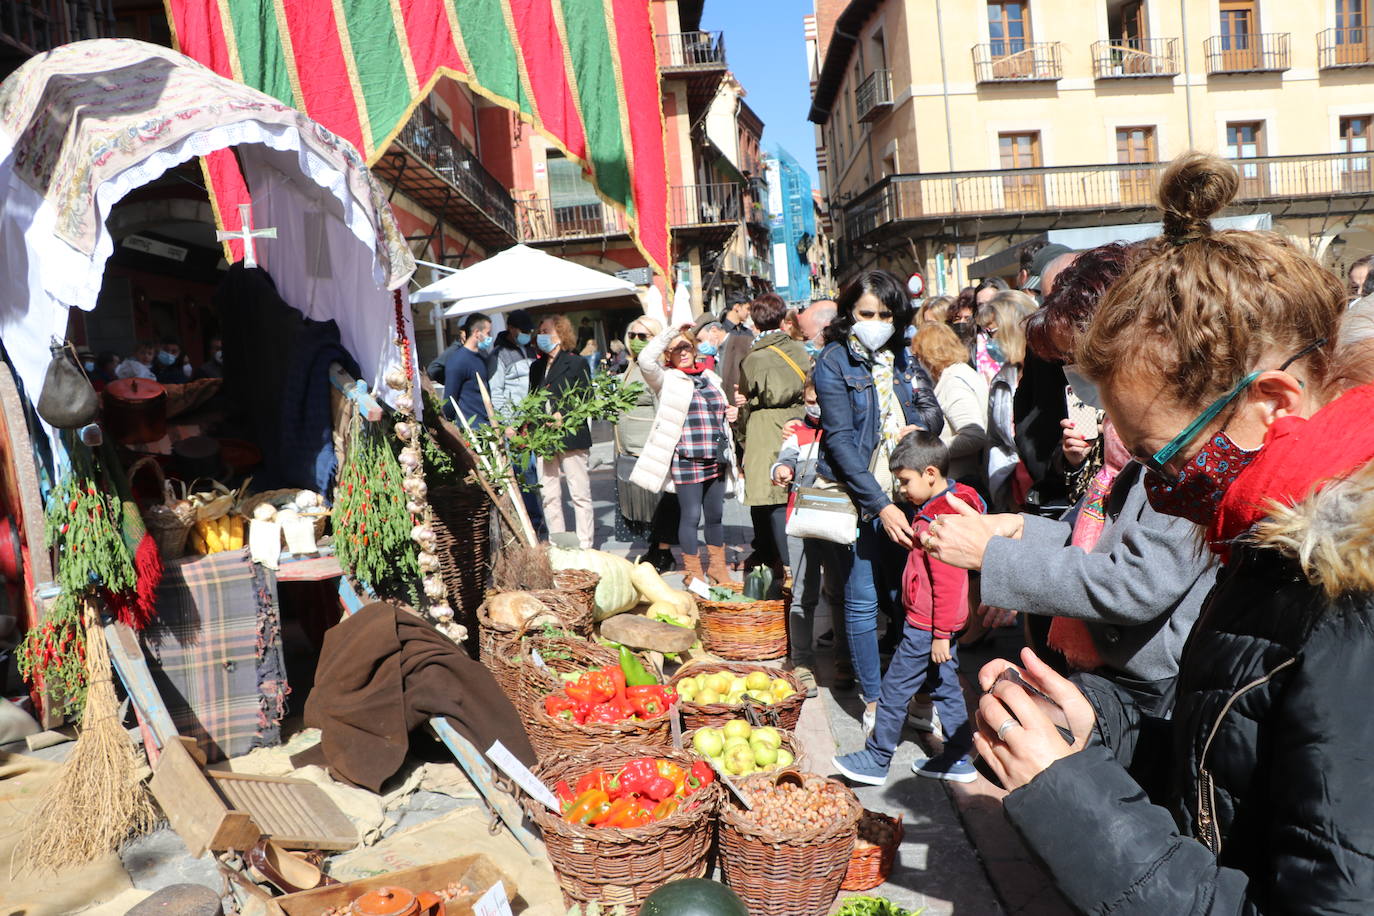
(1330, 534)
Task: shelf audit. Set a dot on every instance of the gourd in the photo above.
(654, 590)
(693, 897)
(615, 593)
(511, 609)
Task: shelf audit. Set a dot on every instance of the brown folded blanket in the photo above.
(384, 672)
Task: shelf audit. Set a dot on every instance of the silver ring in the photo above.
(1002, 729)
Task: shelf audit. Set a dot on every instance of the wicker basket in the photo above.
(462, 537)
(615, 866)
(551, 735)
(170, 521)
(580, 585)
(786, 874)
(565, 608)
(276, 498)
(789, 741)
(869, 865)
(783, 715)
(747, 631)
(561, 653)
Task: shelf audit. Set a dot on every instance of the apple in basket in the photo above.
(708, 742)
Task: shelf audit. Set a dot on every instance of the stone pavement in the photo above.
(960, 855)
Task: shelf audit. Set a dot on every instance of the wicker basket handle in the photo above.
(163, 485)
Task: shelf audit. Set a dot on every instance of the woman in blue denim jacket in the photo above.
(871, 394)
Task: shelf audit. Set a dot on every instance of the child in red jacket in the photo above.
(936, 599)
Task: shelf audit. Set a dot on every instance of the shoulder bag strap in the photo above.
(787, 359)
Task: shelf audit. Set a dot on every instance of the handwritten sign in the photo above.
(699, 588)
(493, 902)
(506, 762)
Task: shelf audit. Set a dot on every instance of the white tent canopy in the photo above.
(520, 277)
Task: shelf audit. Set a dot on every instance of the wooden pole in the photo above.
(511, 479)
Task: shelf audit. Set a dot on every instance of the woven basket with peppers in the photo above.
(607, 705)
(634, 818)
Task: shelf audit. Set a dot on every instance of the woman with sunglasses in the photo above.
(690, 449)
(1213, 356)
(643, 514)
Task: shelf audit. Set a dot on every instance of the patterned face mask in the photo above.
(1197, 491)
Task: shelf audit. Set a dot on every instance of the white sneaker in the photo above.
(870, 719)
(925, 719)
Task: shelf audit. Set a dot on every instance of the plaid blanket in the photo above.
(215, 653)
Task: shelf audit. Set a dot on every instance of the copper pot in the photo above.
(397, 901)
(135, 410)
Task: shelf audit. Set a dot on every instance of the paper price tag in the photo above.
(730, 784)
(699, 589)
(675, 726)
(493, 902)
(506, 762)
(537, 659)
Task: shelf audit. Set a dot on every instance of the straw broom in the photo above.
(98, 801)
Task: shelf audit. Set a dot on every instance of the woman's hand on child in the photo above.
(1015, 736)
(783, 475)
(961, 540)
(897, 527)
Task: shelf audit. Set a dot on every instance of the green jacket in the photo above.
(773, 390)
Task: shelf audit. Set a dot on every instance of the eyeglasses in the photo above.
(681, 348)
(637, 335)
(1157, 462)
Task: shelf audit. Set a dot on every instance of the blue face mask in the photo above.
(522, 339)
(90, 365)
(484, 344)
(706, 349)
(164, 358)
(814, 349)
(545, 343)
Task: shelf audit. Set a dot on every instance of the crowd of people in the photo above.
(1156, 457)
(160, 361)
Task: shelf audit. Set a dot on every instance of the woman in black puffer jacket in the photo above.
(1213, 356)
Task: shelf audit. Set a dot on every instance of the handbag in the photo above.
(825, 513)
(68, 400)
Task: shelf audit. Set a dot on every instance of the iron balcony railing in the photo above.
(1135, 57)
(429, 138)
(874, 95)
(944, 195)
(692, 51)
(705, 204)
(545, 220)
(1345, 47)
(1015, 60)
(1253, 52)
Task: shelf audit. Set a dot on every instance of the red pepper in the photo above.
(644, 690)
(564, 793)
(701, 775)
(617, 679)
(616, 814)
(596, 779)
(606, 714)
(666, 807)
(560, 706)
(592, 687)
(647, 707)
(582, 710)
(587, 806)
(674, 774)
(637, 816)
(641, 775)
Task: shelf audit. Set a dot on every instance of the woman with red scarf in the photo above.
(1213, 357)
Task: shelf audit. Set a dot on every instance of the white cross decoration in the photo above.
(247, 235)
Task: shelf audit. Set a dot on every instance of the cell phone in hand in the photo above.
(1087, 419)
(1052, 710)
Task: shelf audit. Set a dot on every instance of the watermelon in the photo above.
(693, 897)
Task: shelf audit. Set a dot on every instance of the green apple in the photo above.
(708, 741)
(764, 755)
(780, 695)
(707, 696)
(719, 682)
(737, 728)
(686, 689)
(739, 759)
(757, 680)
(737, 684)
(780, 685)
(735, 741)
(785, 758)
(768, 735)
(734, 699)
(763, 696)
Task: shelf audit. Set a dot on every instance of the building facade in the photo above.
(948, 131)
(792, 220)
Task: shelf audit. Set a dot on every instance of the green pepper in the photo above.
(635, 675)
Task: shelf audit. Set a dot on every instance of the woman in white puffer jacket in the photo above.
(690, 449)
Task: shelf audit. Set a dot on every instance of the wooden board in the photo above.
(295, 813)
(195, 810)
(476, 871)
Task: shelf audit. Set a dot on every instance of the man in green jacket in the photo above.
(771, 378)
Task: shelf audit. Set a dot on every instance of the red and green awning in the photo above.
(582, 72)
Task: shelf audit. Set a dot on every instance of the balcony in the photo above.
(1017, 61)
(1345, 48)
(1079, 195)
(874, 95)
(432, 167)
(691, 51)
(29, 27)
(702, 211)
(1132, 58)
(1265, 52)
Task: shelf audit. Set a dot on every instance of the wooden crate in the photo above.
(476, 871)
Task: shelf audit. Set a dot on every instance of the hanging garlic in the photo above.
(423, 535)
(415, 487)
(428, 562)
(434, 588)
(397, 379)
(409, 458)
(402, 431)
(404, 403)
(454, 631)
(441, 611)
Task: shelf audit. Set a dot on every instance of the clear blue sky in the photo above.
(766, 50)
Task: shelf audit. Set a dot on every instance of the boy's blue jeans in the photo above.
(911, 672)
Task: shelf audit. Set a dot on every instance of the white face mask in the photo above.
(873, 334)
(813, 411)
(1085, 389)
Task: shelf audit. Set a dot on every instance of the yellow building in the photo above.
(949, 130)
